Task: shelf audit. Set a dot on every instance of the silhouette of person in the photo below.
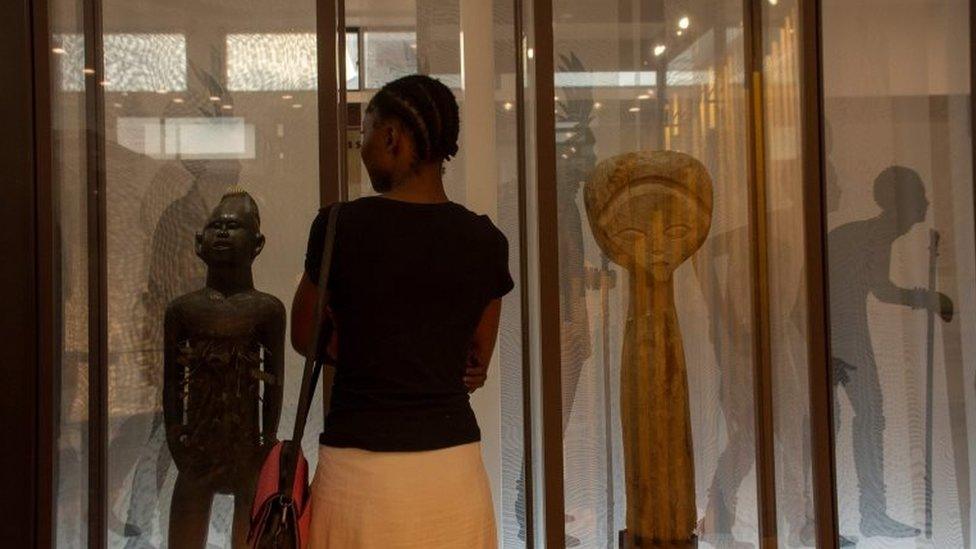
(730, 333)
(859, 258)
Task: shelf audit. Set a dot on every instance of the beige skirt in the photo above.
(402, 500)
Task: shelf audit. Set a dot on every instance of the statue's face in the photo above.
(652, 226)
(231, 236)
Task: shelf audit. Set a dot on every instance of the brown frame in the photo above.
(528, 484)
(758, 242)
(550, 365)
(25, 411)
(815, 265)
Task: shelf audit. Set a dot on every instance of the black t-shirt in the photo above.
(408, 285)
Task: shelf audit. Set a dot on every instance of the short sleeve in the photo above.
(316, 243)
(500, 282)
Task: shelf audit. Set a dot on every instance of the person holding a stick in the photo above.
(860, 260)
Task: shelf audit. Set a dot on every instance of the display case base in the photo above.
(628, 541)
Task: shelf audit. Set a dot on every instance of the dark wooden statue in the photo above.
(223, 375)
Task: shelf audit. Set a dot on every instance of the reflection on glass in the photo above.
(187, 138)
(675, 83)
(171, 153)
(133, 62)
(787, 279)
(388, 56)
(68, 175)
(901, 268)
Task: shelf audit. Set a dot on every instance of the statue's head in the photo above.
(232, 236)
(650, 210)
(900, 193)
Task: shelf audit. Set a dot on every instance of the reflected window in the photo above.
(389, 55)
(282, 61)
(133, 62)
(187, 138)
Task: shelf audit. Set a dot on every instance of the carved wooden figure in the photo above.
(223, 373)
(649, 212)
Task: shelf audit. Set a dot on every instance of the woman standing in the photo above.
(416, 286)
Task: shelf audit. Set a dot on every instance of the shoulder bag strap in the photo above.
(313, 365)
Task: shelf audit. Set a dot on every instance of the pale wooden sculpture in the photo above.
(649, 212)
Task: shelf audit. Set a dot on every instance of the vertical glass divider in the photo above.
(524, 294)
(814, 221)
(331, 87)
(548, 299)
(97, 276)
(762, 374)
(47, 286)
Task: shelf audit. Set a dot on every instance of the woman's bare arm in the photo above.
(303, 316)
(482, 346)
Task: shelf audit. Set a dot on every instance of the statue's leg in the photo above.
(243, 500)
(189, 515)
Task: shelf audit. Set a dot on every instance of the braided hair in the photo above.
(427, 108)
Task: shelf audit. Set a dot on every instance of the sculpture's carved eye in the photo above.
(678, 230)
(629, 234)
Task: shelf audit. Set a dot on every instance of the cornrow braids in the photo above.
(429, 111)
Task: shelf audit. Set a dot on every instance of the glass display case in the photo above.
(741, 233)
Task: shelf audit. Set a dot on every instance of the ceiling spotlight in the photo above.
(644, 96)
(286, 97)
(597, 105)
(773, 2)
(58, 51)
(531, 53)
(117, 105)
(227, 107)
(103, 83)
(177, 100)
(296, 106)
(660, 49)
(162, 91)
(214, 98)
(89, 71)
(413, 46)
(680, 32)
(684, 22)
(508, 106)
(634, 109)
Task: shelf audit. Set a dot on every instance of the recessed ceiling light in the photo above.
(59, 51)
(684, 22)
(634, 109)
(286, 97)
(644, 96)
(660, 49)
(214, 98)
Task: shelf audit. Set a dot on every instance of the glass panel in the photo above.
(70, 184)
(901, 265)
(654, 259)
(388, 56)
(195, 109)
(407, 37)
(787, 278)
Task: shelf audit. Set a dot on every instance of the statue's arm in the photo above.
(172, 378)
(274, 342)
